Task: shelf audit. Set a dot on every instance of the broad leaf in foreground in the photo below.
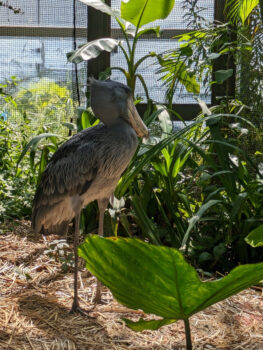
(92, 50)
(157, 279)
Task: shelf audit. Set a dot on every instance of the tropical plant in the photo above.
(132, 18)
(51, 105)
(5, 92)
(255, 237)
(156, 184)
(230, 185)
(241, 9)
(159, 281)
(197, 53)
(16, 183)
(45, 103)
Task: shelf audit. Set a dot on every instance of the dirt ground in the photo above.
(35, 299)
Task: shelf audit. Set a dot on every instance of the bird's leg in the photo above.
(102, 204)
(75, 306)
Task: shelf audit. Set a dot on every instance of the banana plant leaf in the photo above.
(158, 280)
(153, 30)
(92, 50)
(140, 12)
(255, 237)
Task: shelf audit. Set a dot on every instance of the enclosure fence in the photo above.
(35, 41)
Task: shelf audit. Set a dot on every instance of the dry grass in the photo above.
(36, 298)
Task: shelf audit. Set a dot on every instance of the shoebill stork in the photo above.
(88, 166)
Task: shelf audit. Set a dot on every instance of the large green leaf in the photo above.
(92, 50)
(157, 279)
(240, 9)
(140, 12)
(255, 238)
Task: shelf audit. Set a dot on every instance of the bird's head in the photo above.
(111, 100)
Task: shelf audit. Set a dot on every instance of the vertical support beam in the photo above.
(224, 62)
(99, 26)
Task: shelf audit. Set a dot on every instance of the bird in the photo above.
(88, 167)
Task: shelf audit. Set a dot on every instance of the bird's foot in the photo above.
(77, 309)
(97, 300)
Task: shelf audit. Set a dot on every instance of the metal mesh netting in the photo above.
(34, 51)
(38, 38)
(176, 20)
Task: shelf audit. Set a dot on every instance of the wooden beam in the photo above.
(99, 26)
(64, 32)
(223, 62)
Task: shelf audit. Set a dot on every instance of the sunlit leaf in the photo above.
(255, 238)
(157, 279)
(240, 9)
(140, 12)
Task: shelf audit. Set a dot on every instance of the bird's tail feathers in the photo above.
(60, 229)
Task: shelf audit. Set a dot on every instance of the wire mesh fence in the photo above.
(36, 40)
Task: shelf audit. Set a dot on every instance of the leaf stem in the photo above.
(188, 334)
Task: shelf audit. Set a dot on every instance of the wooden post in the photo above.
(99, 26)
(228, 87)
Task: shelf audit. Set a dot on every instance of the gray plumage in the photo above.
(88, 166)
(85, 168)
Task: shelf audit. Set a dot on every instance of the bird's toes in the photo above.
(97, 300)
(77, 309)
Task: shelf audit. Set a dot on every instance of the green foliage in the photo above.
(240, 9)
(255, 237)
(131, 18)
(197, 189)
(141, 12)
(26, 142)
(5, 91)
(192, 62)
(45, 104)
(176, 72)
(16, 184)
(158, 280)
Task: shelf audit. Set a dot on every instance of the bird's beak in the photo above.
(135, 120)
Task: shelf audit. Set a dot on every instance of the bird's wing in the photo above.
(70, 171)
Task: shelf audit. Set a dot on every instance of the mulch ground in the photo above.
(36, 296)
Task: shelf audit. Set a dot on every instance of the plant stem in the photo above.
(188, 334)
